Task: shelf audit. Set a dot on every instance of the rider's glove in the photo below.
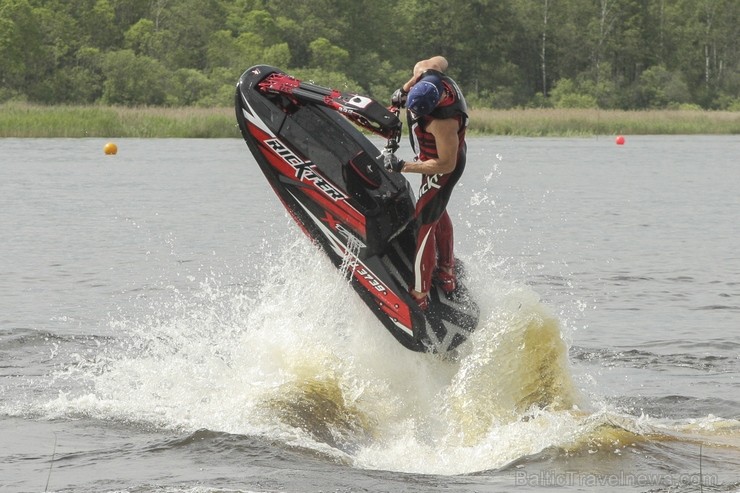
(398, 99)
(392, 163)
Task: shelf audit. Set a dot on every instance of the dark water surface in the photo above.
(165, 327)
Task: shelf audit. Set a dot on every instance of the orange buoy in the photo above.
(620, 140)
(110, 148)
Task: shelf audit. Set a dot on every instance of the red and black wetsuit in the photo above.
(434, 243)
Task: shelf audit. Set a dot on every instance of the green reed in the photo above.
(22, 120)
(587, 122)
(25, 120)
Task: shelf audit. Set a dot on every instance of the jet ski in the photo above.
(308, 141)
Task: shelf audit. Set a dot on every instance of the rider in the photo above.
(437, 118)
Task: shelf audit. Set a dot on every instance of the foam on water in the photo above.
(308, 364)
(297, 357)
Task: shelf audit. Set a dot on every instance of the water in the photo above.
(164, 326)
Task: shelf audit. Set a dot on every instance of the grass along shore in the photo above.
(34, 121)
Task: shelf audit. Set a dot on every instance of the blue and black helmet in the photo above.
(425, 95)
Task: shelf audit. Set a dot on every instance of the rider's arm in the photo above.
(438, 63)
(445, 136)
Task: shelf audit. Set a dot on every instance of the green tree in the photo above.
(22, 50)
(262, 23)
(222, 50)
(144, 38)
(188, 25)
(221, 87)
(618, 53)
(660, 88)
(327, 56)
(189, 86)
(300, 23)
(131, 79)
(535, 42)
(277, 55)
(375, 40)
(129, 12)
(97, 18)
(566, 94)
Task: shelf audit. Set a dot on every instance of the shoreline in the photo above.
(22, 120)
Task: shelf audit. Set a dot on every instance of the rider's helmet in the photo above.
(425, 95)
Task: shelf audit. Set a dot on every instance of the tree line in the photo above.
(611, 54)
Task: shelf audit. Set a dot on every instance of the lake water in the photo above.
(164, 326)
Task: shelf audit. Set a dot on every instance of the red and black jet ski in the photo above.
(331, 179)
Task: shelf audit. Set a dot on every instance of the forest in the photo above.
(607, 54)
